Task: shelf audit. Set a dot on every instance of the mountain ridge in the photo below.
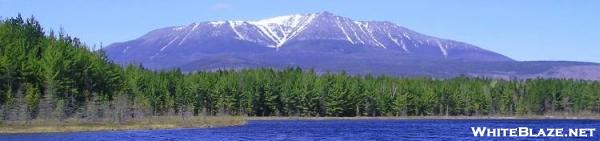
(323, 40)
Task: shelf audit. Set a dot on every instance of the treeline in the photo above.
(49, 76)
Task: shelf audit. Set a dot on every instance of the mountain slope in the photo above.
(322, 41)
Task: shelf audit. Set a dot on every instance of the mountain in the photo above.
(327, 42)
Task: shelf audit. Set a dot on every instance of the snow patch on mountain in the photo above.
(283, 28)
(278, 31)
(337, 21)
(233, 26)
(443, 48)
(169, 44)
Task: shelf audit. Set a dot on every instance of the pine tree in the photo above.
(32, 99)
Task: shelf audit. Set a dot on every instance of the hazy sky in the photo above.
(521, 29)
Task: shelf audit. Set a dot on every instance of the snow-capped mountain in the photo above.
(322, 41)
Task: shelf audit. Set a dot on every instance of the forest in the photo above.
(48, 75)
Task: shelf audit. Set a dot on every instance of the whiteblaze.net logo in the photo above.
(532, 132)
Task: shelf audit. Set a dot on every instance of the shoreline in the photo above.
(174, 122)
(434, 118)
(151, 123)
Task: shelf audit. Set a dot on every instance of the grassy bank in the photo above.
(162, 122)
(425, 117)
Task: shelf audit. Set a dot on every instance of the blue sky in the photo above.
(521, 29)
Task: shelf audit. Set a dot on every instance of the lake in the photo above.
(325, 130)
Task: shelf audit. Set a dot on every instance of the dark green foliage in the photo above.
(49, 76)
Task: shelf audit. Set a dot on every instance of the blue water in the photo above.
(324, 130)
